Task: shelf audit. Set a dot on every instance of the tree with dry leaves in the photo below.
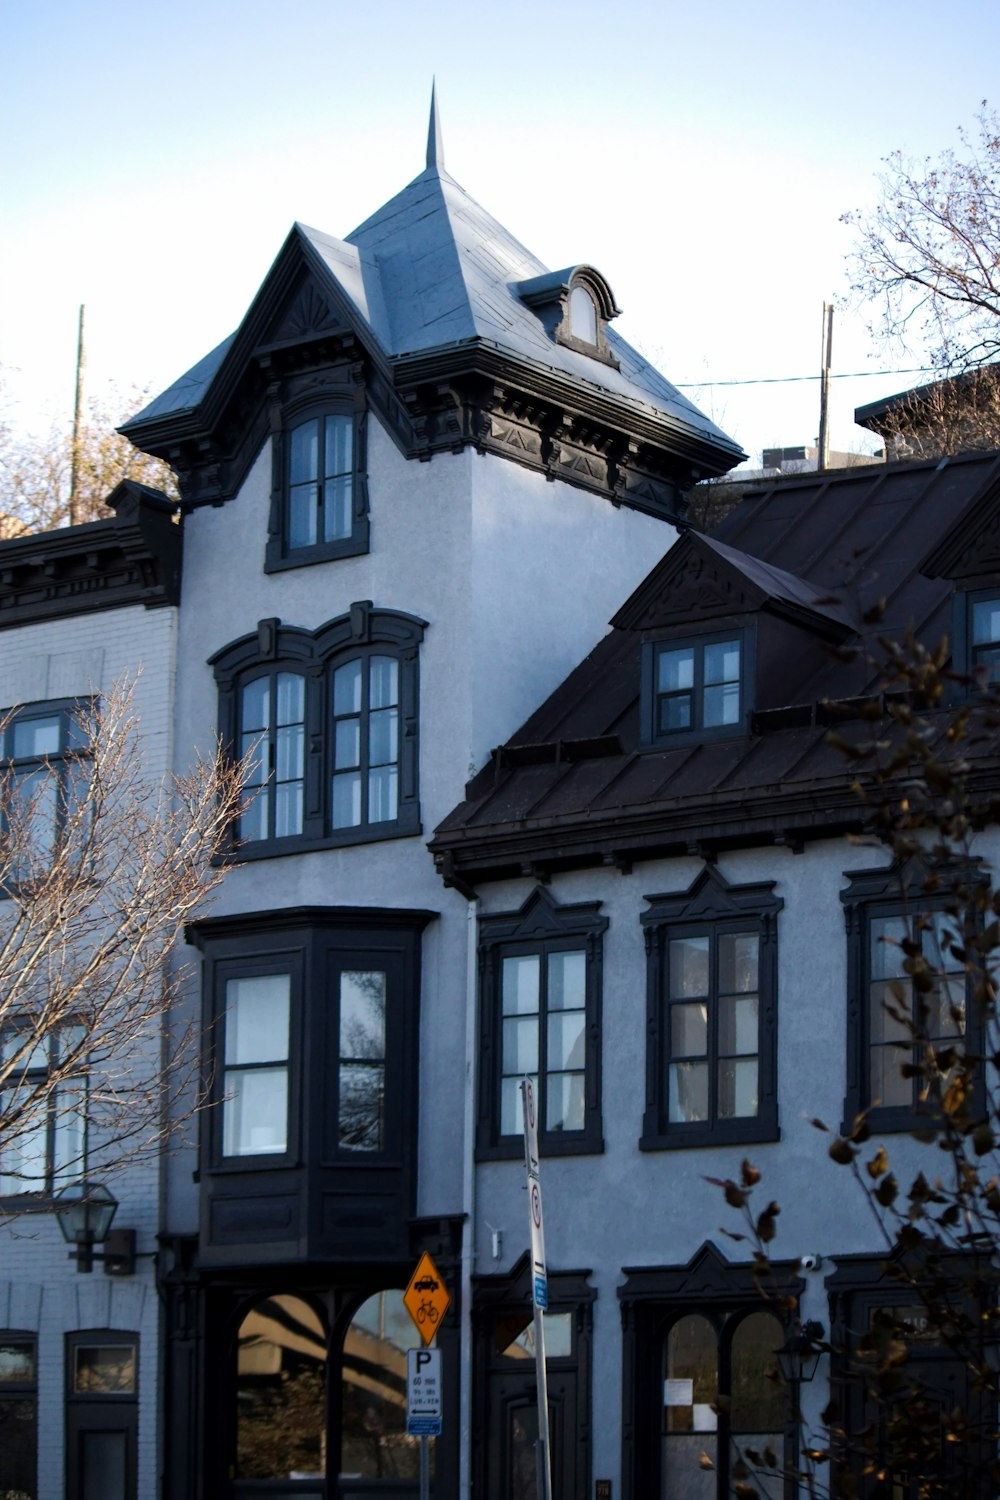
(100, 868)
(959, 414)
(928, 254)
(925, 772)
(35, 472)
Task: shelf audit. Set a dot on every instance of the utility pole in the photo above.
(74, 471)
(823, 457)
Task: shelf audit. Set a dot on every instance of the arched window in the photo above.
(327, 721)
(373, 1440)
(582, 315)
(281, 1391)
(319, 506)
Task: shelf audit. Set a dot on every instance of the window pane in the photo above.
(254, 752)
(565, 1102)
(757, 1393)
(303, 450)
(383, 682)
(688, 962)
(520, 1046)
(339, 445)
(102, 1466)
(17, 1363)
(362, 1014)
(104, 1369)
(383, 737)
(566, 1041)
(253, 819)
(281, 1391)
(688, 1091)
(338, 500)
(737, 1026)
(883, 1025)
(255, 1112)
(521, 1345)
(35, 796)
(257, 1018)
(675, 670)
(567, 981)
(346, 812)
(886, 934)
(738, 963)
(691, 1373)
(688, 1030)
(70, 1133)
(291, 698)
(287, 809)
(675, 713)
(582, 315)
(362, 1107)
(520, 985)
(985, 621)
(737, 1089)
(290, 753)
(722, 705)
(886, 1084)
(511, 1112)
(37, 737)
(347, 689)
(374, 1444)
(347, 743)
(302, 516)
(722, 662)
(383, 794)
(256, 706)
(24, 1157)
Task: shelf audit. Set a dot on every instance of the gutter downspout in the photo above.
(468, 1205)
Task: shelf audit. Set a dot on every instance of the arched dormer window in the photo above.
(319, 500)
(582, 315)
(575, 305)
(327, 721)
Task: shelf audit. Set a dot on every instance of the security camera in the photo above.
(810, 1262)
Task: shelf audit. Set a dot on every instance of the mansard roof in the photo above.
(430, 289)
(575, 785)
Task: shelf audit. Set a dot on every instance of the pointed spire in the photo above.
(435, 146)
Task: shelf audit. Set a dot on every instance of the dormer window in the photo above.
(985, 654)
(582, 316)
(319, 499)
(694, 685)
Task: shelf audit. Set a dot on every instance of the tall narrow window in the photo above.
(47, 1079)
(272, 741)
(101, 1416)
(320, 480)
(365, 742)
(18, 1416)
(44, 772)
(374, 1444)
(541, 1011)
(711, 1014)
(281, 1391)
(255, 1081)
(362, 1060)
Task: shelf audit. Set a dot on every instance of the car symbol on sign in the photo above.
(425, 1284)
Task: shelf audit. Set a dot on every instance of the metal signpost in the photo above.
(539, 1285)
(426, 1299)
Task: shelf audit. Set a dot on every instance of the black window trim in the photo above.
(711, 904)
(651, 738)
(963, 649)
(72, 712)
(540, 926)
(886, 891)
(362, 632)
(285, 418)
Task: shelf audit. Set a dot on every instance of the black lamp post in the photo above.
(85, 1211)
(798, 1358)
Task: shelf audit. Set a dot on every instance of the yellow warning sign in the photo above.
(426, 1299)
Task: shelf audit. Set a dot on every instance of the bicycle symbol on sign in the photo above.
(427, 1312)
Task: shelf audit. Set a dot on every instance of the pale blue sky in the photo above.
(154, 157)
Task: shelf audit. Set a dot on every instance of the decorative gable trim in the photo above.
(970, 553)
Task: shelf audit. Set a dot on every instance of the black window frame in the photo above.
(18, 1392)
(100, 1411)
(541, 927)
(713, 907)
(888, 891)
(964, 652)
(651, 735)
(279, 554)
(360, 634)
(73, 750)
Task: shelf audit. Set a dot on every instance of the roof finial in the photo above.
(435, 146)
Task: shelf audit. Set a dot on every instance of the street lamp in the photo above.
(85, 1211)
(798, 1358)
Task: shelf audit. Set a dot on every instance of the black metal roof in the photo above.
(574, 786)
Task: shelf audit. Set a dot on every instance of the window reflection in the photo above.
(374, 1444)
(281, 1392)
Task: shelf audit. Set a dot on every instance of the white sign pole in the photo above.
(539, 1285)
(423, 1405)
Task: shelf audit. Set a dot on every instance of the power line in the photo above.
(690, 385)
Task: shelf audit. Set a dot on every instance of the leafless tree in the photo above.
(100, 867)
(928, 254)
(954, 415)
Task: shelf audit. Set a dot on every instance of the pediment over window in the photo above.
(701, 579)
(305, 314)
(970, 553)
